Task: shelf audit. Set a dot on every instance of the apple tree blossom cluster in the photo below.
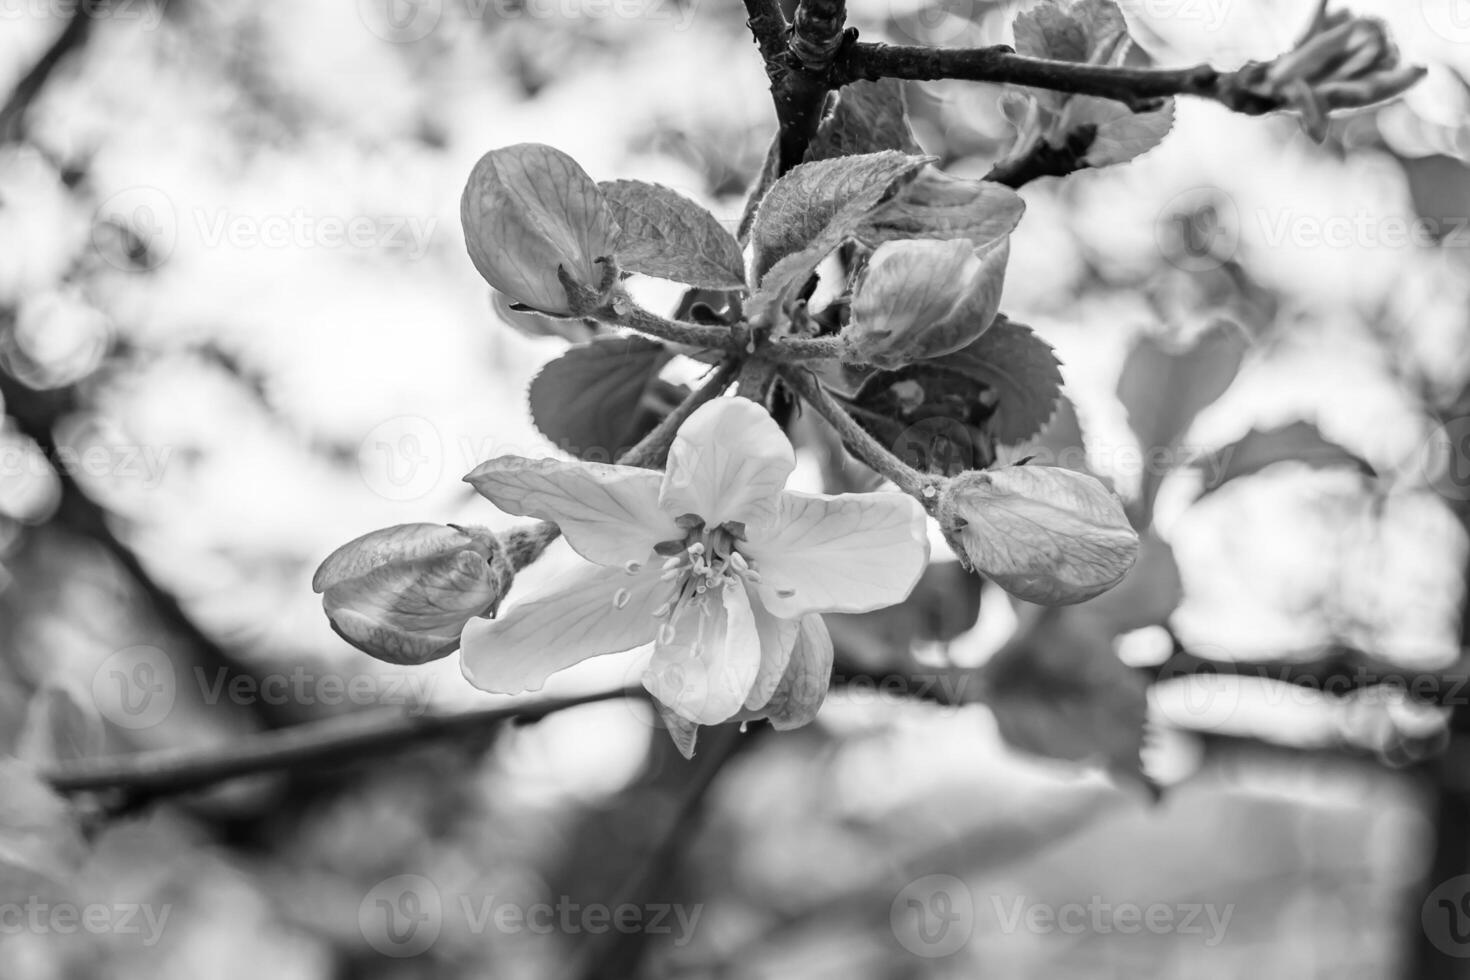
(863, 286)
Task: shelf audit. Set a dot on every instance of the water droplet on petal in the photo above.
(620, 599)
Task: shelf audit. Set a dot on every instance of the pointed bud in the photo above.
(403, 594)
(921, 298)
(530, 215)
(1044, 534)
(1345, 62)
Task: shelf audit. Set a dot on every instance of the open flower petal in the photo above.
(596, 611)
(728, 463)
(777, 636)
(854, 552)
(608, 514)
(704, 669)
(803, 688)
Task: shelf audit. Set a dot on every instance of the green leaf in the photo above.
(1092, 32)
(1058, 691)
(817, 206)
(1021, 369)
(1298, 442)
(868, 116)
(1120, 133)
(665, 234)
(591, 401)
(1165, 390)
(1087, 30)
(936, 205)
(933, 418)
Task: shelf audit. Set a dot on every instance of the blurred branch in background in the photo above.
(149, 776)
(71, 39)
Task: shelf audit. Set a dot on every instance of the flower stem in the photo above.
(862, 445)
(808, 349)
(524, 545)
(732, 338)
(755, 380)
(653, 449)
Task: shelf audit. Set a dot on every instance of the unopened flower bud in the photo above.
(922, 298)
(403, 594)
(1044, 534)
(530, 214)
(1346, 62)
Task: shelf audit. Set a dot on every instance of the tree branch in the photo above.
(1044, 160)
(1138, 88)
(23, 96)
(338, 740)
(1350, 65)
(768, 26)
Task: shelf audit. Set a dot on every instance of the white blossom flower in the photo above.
(713, 562)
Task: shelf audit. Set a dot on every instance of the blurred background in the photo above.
(238, 327)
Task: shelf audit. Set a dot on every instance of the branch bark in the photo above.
(1138, 88)
(339, 740)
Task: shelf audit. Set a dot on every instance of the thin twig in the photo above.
(350, 738)
(859, 442)
(618, 954)
(1138, 88)
(525, 545)
(768, 26)
(25, 92)
(809, 349)
(653, 449)
(1044, 160)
